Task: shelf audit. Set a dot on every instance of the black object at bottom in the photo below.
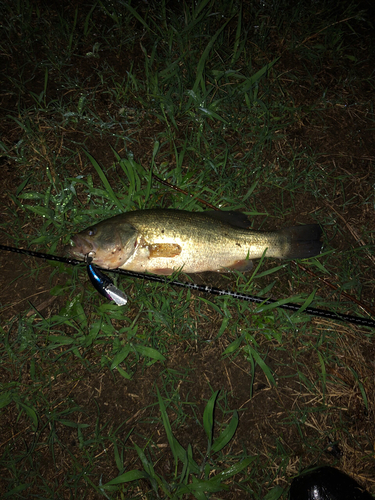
(326, 483)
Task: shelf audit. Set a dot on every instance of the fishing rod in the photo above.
(106, 287)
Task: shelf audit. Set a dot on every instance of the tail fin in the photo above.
(303, 241)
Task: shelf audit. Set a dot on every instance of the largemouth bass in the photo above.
(162, 241)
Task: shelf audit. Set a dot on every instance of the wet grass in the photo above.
(181, 394)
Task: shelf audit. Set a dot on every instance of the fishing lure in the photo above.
(105, 285)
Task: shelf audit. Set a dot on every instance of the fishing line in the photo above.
(290, 306)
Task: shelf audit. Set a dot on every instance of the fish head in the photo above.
(108, 243)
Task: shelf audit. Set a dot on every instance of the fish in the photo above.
(162, 241)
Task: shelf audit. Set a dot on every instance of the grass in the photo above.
(263, 109)
(194, 479)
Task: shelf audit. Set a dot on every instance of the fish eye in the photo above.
(91, 231)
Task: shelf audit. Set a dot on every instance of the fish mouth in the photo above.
(79, 247)
(82, 249)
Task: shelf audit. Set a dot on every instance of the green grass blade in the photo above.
(202, 62)
(250, 351)
(235, 469)
(323, 374)
(199, 488)
(226, 435)
(307, 302)
(120, 356)
(104, 180)
(5, 399)
(233, 346)
(208, 417)
(274, 494)
(236, 52)
(30, 412)
(147, 465)
(135, 14)
(176, 448)
(258, 75)
(149, 352)
(131, 475)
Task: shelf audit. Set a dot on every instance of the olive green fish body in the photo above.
(161, 241)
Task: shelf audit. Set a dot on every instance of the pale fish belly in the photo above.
(191, 257)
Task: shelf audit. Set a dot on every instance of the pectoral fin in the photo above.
(164, 250)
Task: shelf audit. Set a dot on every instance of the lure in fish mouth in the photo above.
(81, 247)
(104, 244)
(161, 241)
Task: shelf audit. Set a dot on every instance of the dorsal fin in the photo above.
(237, 219)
